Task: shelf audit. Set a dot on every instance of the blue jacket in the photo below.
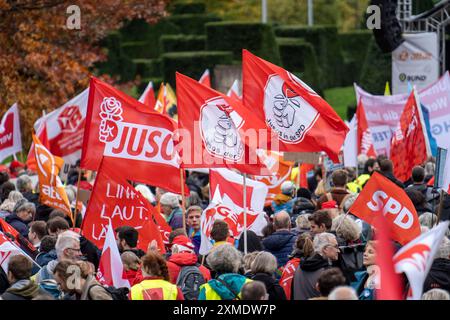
(280, 244)
(358, 285)
(18, 224)
(43, 258)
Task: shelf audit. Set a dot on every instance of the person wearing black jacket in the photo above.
(263, 269)
(387, 170)
(127, 239)
(439, 274)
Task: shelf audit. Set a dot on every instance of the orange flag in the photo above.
(52, 191)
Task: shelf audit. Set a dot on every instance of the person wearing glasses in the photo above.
(326, 251)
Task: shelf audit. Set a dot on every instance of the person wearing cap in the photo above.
(170, 207)
(284, 200)
(183, 255)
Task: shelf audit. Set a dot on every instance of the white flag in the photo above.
(110, 269)
(350, 145)
(416, 257)
(10, 137)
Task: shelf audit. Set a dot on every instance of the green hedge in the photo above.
(354, 48)
(192, 64)
(148, 67)
(117, 63)
(140, 31)
(326, 44)
(299, 57)
(180, 42)
(136, 49)
(193, 7)
(376, 69)
(192, 23)
(235, 36)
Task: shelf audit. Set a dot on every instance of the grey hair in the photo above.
(25, 206)
(349, 202)
(343, 293)
(436, 294)
(302, 221)
(281, 220)
(322, 240)
(71, 192)
(15, 196)
(427, 219)
(444, 249)
(24, 183)
(224, 259)
(248, 259)
(346, 228)
(264, 262)
(66, 240)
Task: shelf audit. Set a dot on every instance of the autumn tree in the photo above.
(43, 62)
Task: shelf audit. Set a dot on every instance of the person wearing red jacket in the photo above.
(183, 255)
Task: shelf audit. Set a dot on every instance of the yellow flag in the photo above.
(52, 192)
(387, 91)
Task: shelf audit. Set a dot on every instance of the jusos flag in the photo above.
(212, 126)
(364, 136)
(303, 121)
(382, 195)
(129, 135)
(61, 131)
(415, 259)
(10, 138)
(52, 190)
(115, 201)
(409, 145)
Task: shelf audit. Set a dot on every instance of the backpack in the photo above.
(189, 281)
(115, 293)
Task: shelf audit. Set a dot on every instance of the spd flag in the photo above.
(380, 195)
(302, 120)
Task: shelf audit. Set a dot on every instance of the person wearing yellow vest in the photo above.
(370, 166)
(225, 261)
(155, 284)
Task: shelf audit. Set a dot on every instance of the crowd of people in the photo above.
(312, 248)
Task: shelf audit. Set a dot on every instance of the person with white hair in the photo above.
(170, 207)
(7, 207)
(343, 293)
(436, 294)
(285, 199)
(326, 250)
(67, 248)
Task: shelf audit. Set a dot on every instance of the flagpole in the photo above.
(441, 205)
(299, 164)
(76, 199)
(183, 200)
(245, 212)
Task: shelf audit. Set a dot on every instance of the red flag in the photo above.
(382, 195)
(408, 144)
(114, 200)
(390, 282)
(110, 269)
(130, 135)
(303, 121)
(148, 96)
(61, 131)
(215, 127)
(20, 240)
(10, 136)
(365, 143)
(162, 224)
(205, 79)
(234, 91)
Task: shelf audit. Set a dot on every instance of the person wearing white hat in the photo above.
(170, 207)
(285, 199)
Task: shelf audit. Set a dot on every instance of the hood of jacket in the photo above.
(278, 240)
(313, 263)
(24, 288)
(303, 204)
(183, 259)
(281, 199)
(233, 280)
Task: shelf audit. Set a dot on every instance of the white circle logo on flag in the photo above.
(218, 130)
(286, 112)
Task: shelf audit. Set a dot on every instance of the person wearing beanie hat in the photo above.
(284, 200)
(183, 256)
(170, 208)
